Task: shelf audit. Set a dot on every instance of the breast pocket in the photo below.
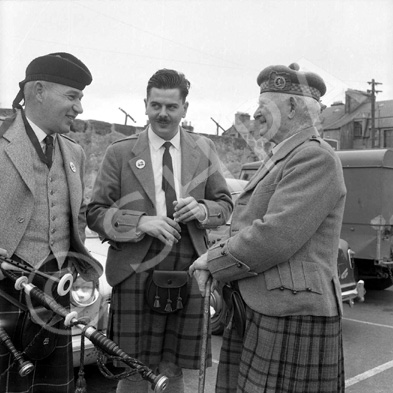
(296, 276)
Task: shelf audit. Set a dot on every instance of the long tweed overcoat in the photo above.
(285, 232)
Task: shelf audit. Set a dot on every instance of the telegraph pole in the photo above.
(127, 116)
(218, 126)
(373, 93)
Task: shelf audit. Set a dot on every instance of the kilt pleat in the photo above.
(53, 374)
(149, 336)
(293, 354)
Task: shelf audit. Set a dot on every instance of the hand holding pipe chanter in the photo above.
(64, 284)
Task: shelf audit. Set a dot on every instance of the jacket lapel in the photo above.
(18, 151)
(142, 167)
(190, 161)
(268, 164)
(70, 162)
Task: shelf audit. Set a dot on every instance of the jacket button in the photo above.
(21, 219)
(239, 265)
(116, 224)
(223, 252)
(294, 292)
(222, 245)
(281, 288)
(309, 289)
(219, 215)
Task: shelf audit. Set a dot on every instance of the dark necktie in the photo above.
(168, 181)
(48, 150)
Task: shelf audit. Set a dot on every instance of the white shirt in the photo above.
(156, 153)
(41, 135)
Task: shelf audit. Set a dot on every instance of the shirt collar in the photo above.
(282, 143)
(156, 141)
(40, 134)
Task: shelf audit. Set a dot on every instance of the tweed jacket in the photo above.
(285, 232)
(124, 190)
(17, 193)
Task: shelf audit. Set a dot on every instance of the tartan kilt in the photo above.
(53, 374)
(293, 354)
(149, 336)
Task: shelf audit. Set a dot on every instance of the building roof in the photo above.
(336, 117)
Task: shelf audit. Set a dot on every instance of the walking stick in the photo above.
(205, 331)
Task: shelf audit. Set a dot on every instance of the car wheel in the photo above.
(218, 312)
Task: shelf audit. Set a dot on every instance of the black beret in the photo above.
(290, 80)
(62, 68)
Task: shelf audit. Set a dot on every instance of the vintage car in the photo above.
(90, 302)
(368, 213)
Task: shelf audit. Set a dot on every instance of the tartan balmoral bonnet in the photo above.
(289, 80)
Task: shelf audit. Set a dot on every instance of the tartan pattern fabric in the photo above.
(292, 354)
(291, 88)
(53, 374)
(151, 337)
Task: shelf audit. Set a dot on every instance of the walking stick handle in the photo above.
(205, 332)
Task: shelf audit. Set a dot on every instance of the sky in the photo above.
(220, 45)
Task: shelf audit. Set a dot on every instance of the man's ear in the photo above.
(292, 107)
(185, 107)
(38, 89)
(145, 101)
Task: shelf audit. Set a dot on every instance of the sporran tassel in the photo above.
(80, 385)
(168, 307)
(179, 304)
(156, 303)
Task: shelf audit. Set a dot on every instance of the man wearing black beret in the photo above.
(42, 218)
(282, 253)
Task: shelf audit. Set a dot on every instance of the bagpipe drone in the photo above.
(106, 347)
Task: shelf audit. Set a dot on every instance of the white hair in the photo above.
(310, 110)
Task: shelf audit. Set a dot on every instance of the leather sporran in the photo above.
(236, 307)
(166, 291)
(38, 342)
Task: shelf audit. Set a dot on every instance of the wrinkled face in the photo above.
(60, 106)
(165, 108)
(269, 116)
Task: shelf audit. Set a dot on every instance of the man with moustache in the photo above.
(282, 252)
(154, 209)
(42, 217)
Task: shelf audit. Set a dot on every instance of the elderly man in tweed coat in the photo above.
(283, 249)
(42, 214)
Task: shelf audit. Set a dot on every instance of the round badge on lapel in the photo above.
(140, 164)
(73, 167)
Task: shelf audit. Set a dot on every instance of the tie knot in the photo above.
(48, 140)
(167, 145)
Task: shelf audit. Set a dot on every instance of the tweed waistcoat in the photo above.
(49, 227)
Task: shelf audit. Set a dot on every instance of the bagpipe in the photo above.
(106, 346)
